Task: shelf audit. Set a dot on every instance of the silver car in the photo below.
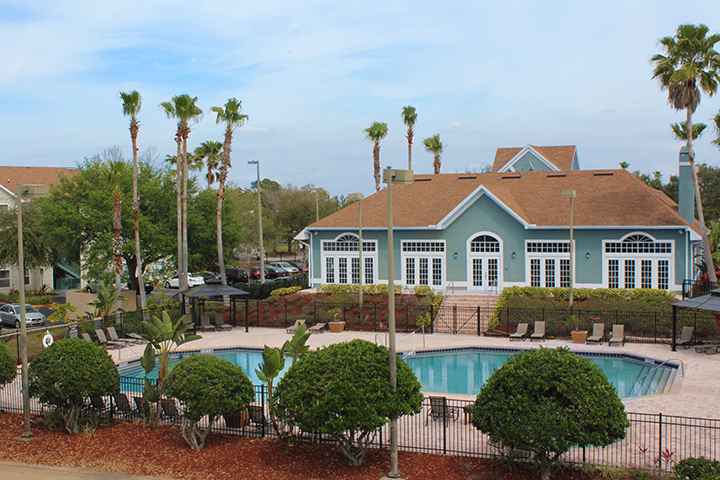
(285, 266)
(10, 315)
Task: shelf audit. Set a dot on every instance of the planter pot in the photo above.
(336, 327)
(579, 336)
(236, 419)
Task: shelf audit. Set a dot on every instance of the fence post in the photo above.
(375, 314)
(432, 317)
(478, 316)
(314, 312)
(257, 312)
(656, 331)
(659, 456)
(342, 305)
(407, 318)
(286, 321)
(454, 328)
(445, 428)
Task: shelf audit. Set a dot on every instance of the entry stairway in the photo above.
(459, 313)
(653, 379)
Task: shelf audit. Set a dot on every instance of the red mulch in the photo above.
(131, 449)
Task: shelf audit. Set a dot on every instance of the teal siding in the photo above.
(530, 162)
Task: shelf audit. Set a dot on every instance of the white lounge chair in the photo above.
(538, 332)
(618, 335)
(521, 332)
(598, 334)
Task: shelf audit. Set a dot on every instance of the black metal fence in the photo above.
(653, 441)
(695, 288)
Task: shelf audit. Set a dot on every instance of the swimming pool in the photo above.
(465, 371)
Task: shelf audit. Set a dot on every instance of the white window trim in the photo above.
(547, 255)
(429, 255)
(638, 257)
(349, 255)
(471, 255)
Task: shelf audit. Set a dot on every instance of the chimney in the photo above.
(686, 191)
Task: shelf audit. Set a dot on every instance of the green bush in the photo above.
(372, 289)
(344, 390)
(697, 469)
(207, 385)
(548, 401)
(285, 291)
(69, 371)
(8, 369)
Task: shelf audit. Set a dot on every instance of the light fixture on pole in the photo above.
(27, 191)
(262, 248)
(400, 177)
(357, 197)
(570, 194)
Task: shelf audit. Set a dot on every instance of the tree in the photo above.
(8, 369)
(105, 299)
(132, 103)
(231, 116)
(680, 130)
(37, 252)
(434, 146)
(344, 390)
(376, 132)
(69, 371)
(207, 385)
(689, 67)
(209, 154)
(716, 126)
(409, 117)
(202, 241)
(548, 401)
(184, 109)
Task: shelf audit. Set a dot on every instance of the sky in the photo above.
(313, 74)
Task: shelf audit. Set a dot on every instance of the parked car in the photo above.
(10, 315)
(193, 281)
(270, 273)
(299, 265)
(92, 287)
(287, 266)
(149, 287)
(236, 275)
(280, 271)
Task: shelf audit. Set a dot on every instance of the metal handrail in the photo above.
(655, 368)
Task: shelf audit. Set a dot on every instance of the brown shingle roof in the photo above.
(11, 176)
(605, 198)
(562, 157)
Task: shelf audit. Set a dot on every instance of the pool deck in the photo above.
(695, 395)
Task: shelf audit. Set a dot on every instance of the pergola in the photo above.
(710, 302)
(215, 288)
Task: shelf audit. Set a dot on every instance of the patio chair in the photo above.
(102, 340)
(86, 337)
(257, 415)
(137, 337)
(220, 322)
(708, 349)
(618, 335)
(686, 338)
(439, 410)
(598, 334)
(298, 322)
(141, 406)
(521, 332)
(115, 338)
(122, 405)
(318, 328)
(538, 332)
(188, 318)
(169, 409)
(205, 322)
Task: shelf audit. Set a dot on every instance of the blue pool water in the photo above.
(465, 371)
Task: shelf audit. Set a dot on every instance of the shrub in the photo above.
(697, 469)
(207, 385)
(69, 371)
(285, 291)
(344, 390)
(548, 401)
(8, 369)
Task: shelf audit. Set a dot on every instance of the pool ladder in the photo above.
(384, 341)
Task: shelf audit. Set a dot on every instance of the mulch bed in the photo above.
(129, 448)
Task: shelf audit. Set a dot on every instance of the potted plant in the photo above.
(336, 326)
(578, 336)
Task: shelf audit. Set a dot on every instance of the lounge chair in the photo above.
(318, 328)
(86, 337)
(298, 322)
(122, 405)
(97, 403)
(115, 338)
(686, 338)
(439, 410)
(102, 340)
(205, 322)
(708, 349)
(142, 406)
(188, 318)
(618, 335)
(137, 337)
(220, 322)
(598, 334)
(521, 332)
(169, 409)
(236, 419)
(257, 415)
(539, 332)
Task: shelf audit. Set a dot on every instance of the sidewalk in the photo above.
(41, 472)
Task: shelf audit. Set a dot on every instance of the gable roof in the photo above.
(11, 176)
(605, 198)
(561, 157)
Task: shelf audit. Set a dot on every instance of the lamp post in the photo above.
(400, 177)
(28, 191)
(357, 197)
(262, 248)
(570, 194)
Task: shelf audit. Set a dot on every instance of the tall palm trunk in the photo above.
(409, 137)
(707, 253)
(117, 241)
(136, 217)
(376, 164)
(184, 279)
(221, 198)
(436, 164)
(178, 190)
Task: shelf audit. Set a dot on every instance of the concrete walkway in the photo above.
(16, 470)
(696, 395)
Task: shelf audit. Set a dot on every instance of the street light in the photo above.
(570, 194)
(262, 248)
(357, 197)
(400, 177)
(28, 191)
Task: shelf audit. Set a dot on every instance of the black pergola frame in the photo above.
(215, 288)
(709, 302)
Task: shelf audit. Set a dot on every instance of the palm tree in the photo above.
(376, 132)
(689, 67)
(716, 120)
(132, 103)
(232, 117)
(434, 146)
(409, 117)
(680, 130)
(184, 109)
(624, 165)
(209, 154)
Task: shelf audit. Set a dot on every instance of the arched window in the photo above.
(485, 244)
(638, 261)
